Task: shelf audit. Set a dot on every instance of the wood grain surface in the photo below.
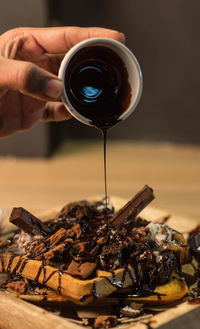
(76, 172)
(17, 314)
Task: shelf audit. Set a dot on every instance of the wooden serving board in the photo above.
(19, 314)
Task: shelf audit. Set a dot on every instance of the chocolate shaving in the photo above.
(133, 207)
(30, 224)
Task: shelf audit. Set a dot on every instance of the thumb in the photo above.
(29, 79)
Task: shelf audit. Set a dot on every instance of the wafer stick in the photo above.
(133, 207)
(27, 222)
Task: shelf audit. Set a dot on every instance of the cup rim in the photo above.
(110, 43)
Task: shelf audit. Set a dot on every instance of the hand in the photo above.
(29, 63)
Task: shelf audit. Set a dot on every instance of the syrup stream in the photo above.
(104, 132)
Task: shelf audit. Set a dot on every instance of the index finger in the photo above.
(60, 39)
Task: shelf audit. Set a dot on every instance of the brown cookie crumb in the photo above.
(105, 321)
(82, 271)
(18, 286)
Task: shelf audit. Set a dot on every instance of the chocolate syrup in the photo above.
(59, 281)
(10, 263)
(14, 271)
(19, 263)
(26, 260)
(97, 86)
(105, 165)
(41, 268)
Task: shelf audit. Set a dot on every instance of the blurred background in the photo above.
(164, 36)
(158, 145)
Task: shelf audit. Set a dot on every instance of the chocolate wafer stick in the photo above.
(133, 207)
(27, 222)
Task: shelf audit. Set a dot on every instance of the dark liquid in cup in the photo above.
(97, 86)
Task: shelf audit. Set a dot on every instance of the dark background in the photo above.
(164, 36)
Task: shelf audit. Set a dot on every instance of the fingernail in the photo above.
(123, 38)
(53, 88)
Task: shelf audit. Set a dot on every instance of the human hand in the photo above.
(29, 62)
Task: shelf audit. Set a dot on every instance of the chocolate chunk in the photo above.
(133, 207)
(194, 243)
(27, 222)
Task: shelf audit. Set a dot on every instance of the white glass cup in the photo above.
(132, 67)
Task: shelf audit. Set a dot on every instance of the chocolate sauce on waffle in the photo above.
(89, 240)
(10, 263)
(25, 261)
(14, 271)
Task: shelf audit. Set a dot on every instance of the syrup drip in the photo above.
(94, 293)
(131, 276)
(46, 279)
(21, 262)
(59, 281)
(104, 132)
(113, 281)
(17, 266)
(98, 88)
(41, 268)
(23, 266)
(94, 290)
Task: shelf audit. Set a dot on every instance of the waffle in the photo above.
(83, 257)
